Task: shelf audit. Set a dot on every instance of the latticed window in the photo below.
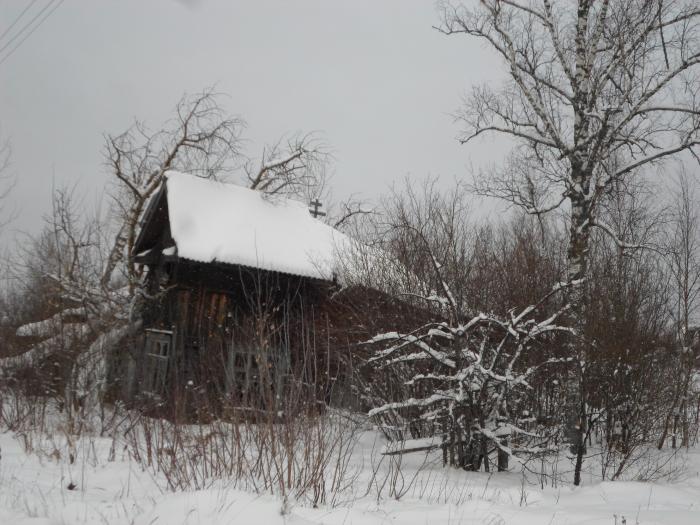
(255, 374)
(243, 374)
(158, 351)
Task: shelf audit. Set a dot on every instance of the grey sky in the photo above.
(372, 76)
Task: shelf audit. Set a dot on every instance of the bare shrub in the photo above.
(301, 457)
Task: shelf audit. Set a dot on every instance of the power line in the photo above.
(9, 54)
(13, 24)
(24, 28)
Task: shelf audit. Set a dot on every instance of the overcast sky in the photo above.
(371, 75)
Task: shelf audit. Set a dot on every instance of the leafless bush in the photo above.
(20, 412)
(301, 457)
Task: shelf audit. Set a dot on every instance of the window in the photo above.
(243, 376)
(254, 375)
(158, 346)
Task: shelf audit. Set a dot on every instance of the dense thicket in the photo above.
(497, 372)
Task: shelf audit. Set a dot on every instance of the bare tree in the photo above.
(597, 91)
(684, 254)
(349, 212)
(684, 250)
(418, 230)
(72, 317)
(201, 139)
(292, 166)
(629, 379)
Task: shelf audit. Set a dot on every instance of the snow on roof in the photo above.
(214, 221)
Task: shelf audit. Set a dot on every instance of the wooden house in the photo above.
(243, 294)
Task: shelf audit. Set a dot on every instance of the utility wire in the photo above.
(9, 54)
(26, 26)
(13, 24)
(17, 35)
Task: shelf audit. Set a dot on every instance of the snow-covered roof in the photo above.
(212, 221)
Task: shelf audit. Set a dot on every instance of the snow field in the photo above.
(104, 485)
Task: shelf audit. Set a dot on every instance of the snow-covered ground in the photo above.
(43, 488)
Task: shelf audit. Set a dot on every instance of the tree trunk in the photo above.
(503, 457)
(577, 264)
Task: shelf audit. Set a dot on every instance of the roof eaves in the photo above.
(257, 268)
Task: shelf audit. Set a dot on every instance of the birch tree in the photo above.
(596, 91)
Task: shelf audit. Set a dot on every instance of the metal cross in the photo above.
(315, 212)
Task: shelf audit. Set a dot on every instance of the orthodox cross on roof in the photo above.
(315, 212)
